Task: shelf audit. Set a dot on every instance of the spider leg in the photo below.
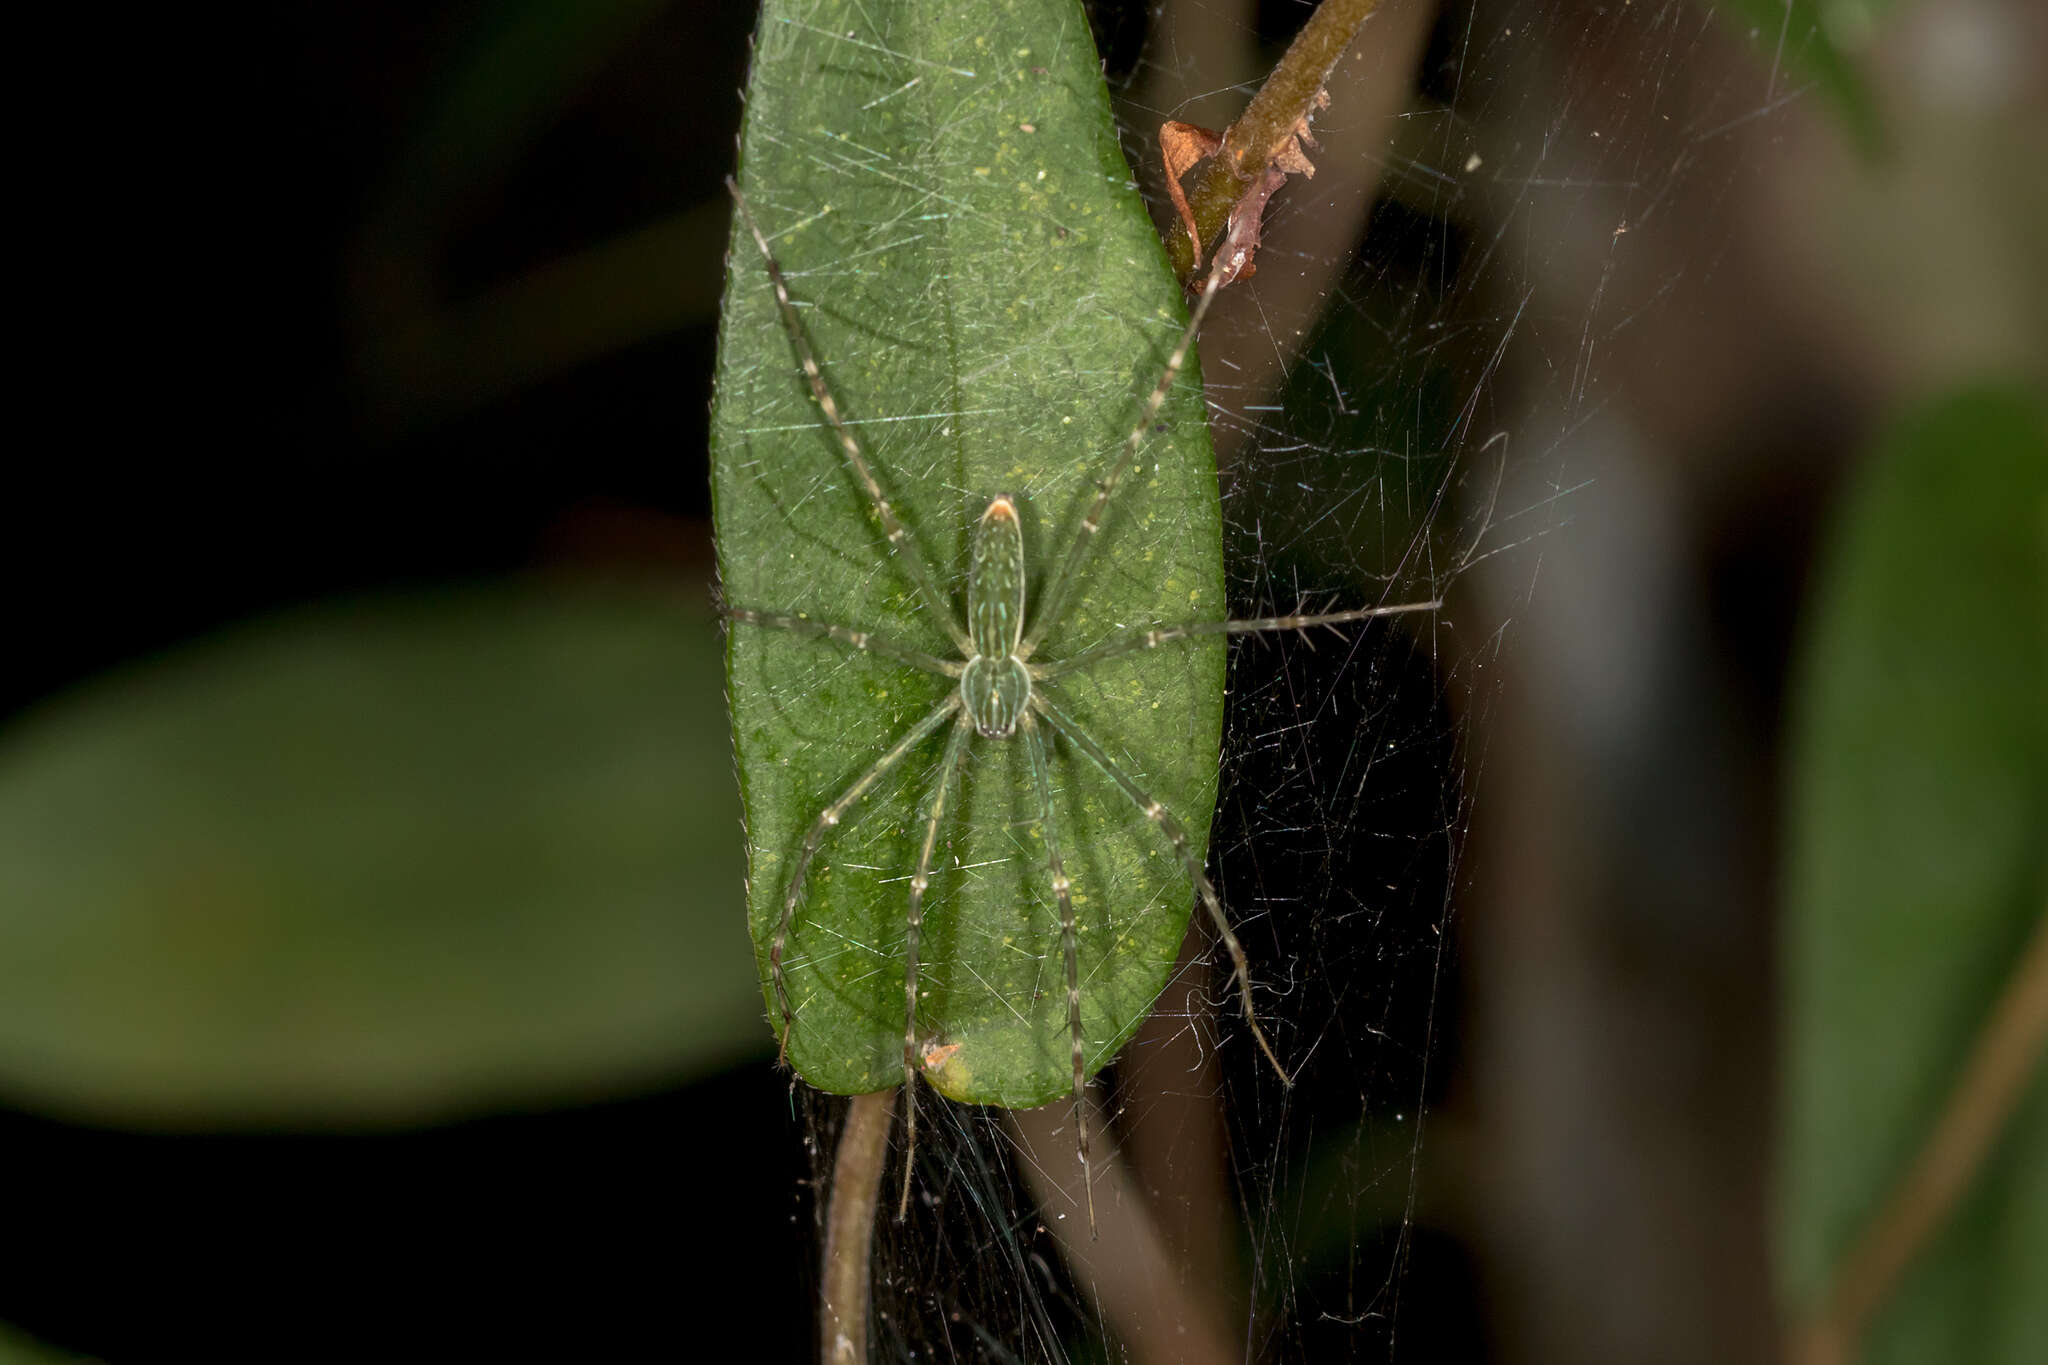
(956, 745)
(897, 534)
(1034, 742)
(815, 838)
(1178, 837)
(1056, 592)
(1152, 637)
(845, 635)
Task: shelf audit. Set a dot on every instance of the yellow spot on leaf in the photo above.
(947, 1070)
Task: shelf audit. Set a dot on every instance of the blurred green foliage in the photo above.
(1816, 42)
(16, 1349)
(1918, 866)
(379, 861)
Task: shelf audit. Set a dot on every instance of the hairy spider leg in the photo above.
(956, 745)
(845, 635)
(1053, 601)
(1136, 641)
(815, 838)
(1178, 837)
(900, 545)
(1063, 893)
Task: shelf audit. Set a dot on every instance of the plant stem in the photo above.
(1287, 97)
(850, 1228)
(1126, 1268)
(2001, 1063)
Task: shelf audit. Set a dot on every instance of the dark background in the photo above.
(208, 453)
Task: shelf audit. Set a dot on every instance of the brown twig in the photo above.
(1126, 1268)
(2001, 1063)
(850, 1228)
(1270, 122)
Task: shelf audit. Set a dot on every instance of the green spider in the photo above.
(1002, 694)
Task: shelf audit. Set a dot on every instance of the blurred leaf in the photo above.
(1918, 865)
(375, 862)
(1813, 41)
(425, 356)
(554, 317)
(17, 1349)
(988, 299)
(531, 57)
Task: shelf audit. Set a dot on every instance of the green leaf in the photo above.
(1918, 865)
(991, 306)
(522, 64)
(431, 345)
(19, 1349)
(376, 862)
(1815, 41)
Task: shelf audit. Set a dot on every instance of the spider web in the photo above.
(1404, 400)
